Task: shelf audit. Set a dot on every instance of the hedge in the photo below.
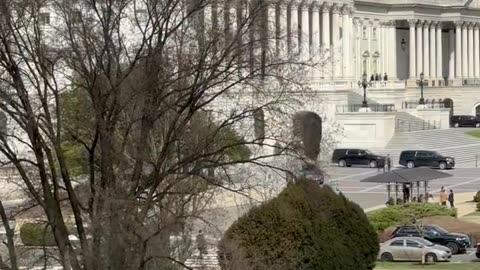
(305, 227)
(400, 214)
(37, 234)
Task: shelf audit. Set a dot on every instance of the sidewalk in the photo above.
(463, 203)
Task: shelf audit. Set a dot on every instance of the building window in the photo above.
(44, 18)
(364, 65)
(374, 33)
(364, 32)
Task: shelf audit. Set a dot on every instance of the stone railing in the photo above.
(387, 85)
(330, 85)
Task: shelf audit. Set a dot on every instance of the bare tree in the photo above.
(127, 116)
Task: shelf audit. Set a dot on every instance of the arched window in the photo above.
(375, 66)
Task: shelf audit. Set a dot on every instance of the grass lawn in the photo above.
(474, 133)
(437, 266)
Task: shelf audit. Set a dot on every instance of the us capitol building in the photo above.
(393, 42)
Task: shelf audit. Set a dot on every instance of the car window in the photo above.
(428, 230)
(411, 243)
(408, 230)
(439, 229)
(397, 243)
(352, 152)
(425, 154)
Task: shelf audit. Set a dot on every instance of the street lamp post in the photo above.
(364, 84)
(422, 82)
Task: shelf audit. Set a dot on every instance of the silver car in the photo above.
(412, 249)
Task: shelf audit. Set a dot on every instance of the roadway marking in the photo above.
(353, 175)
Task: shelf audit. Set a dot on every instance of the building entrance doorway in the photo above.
(477, 110)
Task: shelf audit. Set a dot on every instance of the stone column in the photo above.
(327, 67)
(335, 41)
(315, 49)
(470, 51)
(419, 48)
(476, 50)
(282, 41)
(393, 47)
(305, 34)
(346, 25)
(458, 49)
(358, 57)
(382, 39)
(433, 57)
(271, 49)
(412, 73)
(451, 55)
(293, 35)
(426, 51)
(439, 50)
(464, 51)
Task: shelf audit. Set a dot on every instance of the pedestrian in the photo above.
(443, 197)
(372, 78)
(389, 162)
(451, 199)
(385, 77)
(381, 164)
(201, 244)
(406, 193)
(420, 198)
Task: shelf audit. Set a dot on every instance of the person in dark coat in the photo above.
(381, 164)
(388, 162)
(385, 77)
(451, 199)
(406, 193)
(372, 78)
(201, 243)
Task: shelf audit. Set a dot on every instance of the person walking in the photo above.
(381, 164)
(201, 244)
(388, 162)
(443, 197)
(406, 193)
(451, 199)
(385, 77)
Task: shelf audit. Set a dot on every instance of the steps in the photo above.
(406, 122)
(448, 142)
(208, 261)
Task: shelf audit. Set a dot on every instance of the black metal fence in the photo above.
(372, 107)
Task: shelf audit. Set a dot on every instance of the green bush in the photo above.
(476, 198)
(406, 213)
(304, 227)
(37, 234)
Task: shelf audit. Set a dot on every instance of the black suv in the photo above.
(348, 157)
(464, 121)
(416, 158)
(457, 243)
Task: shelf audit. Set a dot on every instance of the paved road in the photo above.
(467, 257)
(373, 194)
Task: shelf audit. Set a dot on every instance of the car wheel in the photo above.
(442, 166)
(453, 247)
(342, 163)
(373, 164)
(456, 125)
(386, 257)
(477, 125)
(410, 164)
(430, 258)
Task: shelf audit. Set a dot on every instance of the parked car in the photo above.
(421, 158)
(477, 252)
(348, 157)
(464, 121)
(412, 249)
(457, 243)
